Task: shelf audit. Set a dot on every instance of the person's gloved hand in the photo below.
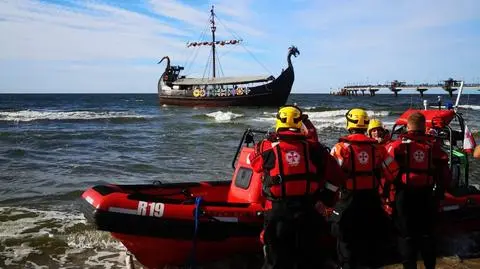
(271, 136)
(249, 138)
(323, 210)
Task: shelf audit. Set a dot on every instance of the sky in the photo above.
(113, 46)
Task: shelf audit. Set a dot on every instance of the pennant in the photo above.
(468, 141)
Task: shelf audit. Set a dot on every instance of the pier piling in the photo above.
(450, 85)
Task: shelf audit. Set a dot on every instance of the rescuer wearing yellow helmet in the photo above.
(357, 120)
(377, 131)
(360, 223)
(418, 191)
(289, 117)
(298, 173)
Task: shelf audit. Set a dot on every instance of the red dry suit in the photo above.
(297, 172)
(423, 167)
(422, 160)
(306, 167)
(359, 221)
(363, 160)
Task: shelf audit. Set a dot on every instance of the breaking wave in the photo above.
(472, 107)
(221, 116)
(324, 119)
(32, 115)
(27, 237)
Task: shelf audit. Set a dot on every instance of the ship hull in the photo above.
(273, 94)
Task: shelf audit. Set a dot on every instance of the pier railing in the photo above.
(396, 86)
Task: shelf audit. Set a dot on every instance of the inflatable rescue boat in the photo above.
(180, 223)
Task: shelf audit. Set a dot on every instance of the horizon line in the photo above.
(325, 93)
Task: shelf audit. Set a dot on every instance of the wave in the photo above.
(221, 116)
(32, 115)
(31, 236)
(324, 119)
(472, 107)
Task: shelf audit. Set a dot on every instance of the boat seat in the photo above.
(246, 185)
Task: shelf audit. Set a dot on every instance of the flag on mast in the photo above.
(468, 141)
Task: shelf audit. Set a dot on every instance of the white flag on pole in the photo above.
(468, 141)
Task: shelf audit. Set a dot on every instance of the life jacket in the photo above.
(360, 164)
(415, 160)
(294, 174)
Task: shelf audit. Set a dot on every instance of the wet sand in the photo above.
(446, 263)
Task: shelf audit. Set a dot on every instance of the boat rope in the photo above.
(190, 64)
(195, 51)
(207, 66)
(235, 35)
(192, 262)
(226, 51)
(219, 64)
(255, 58)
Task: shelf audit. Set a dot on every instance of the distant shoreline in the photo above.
(465, 92)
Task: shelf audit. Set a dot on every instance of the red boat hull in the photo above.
(157, 252)
(159, 225)
(433, 117)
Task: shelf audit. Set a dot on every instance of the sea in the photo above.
(55, 146)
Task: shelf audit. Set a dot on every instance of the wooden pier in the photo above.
(449, 85)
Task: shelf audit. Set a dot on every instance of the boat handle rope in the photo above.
(248, 138)
(192, 262)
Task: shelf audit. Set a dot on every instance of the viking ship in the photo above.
(216, 91)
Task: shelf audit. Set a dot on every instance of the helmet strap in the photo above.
(357, 131)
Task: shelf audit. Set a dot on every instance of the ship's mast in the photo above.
(213, 27)
(214, 42)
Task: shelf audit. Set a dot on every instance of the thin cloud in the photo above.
(34, 33)
(236, 15)
(112, 46)
(240, 10)
(178, 11)
(382, 40)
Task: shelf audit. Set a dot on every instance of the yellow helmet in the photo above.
(357, 118)
(374, 123)
(289, 117)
